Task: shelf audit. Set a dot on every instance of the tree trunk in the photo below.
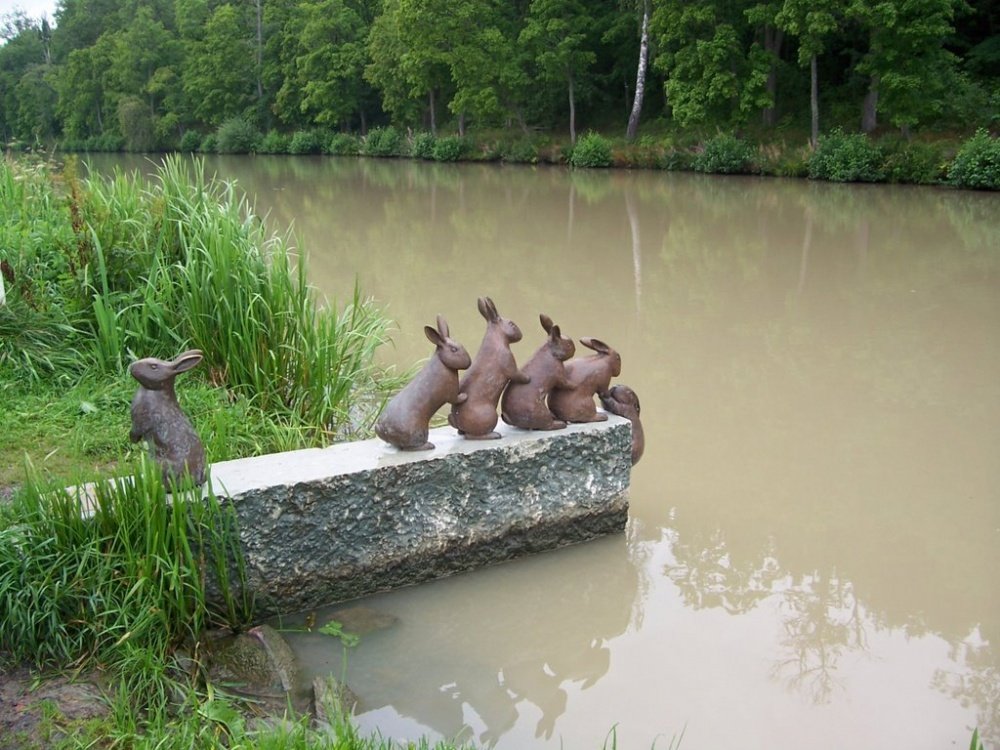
(433, 116)
(640, 75)
(869, 109)
(364, 123)
(260, 49)
(572, 110)
(814, 102)
(772, 43)
(461, 124)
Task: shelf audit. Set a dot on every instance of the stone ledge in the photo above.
(325, 525)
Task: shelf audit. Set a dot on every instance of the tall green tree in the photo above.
(219, 74)
(713, 71)
(558, 36)
(907, 65)
(812, 23)
(83, 89)
(325, 58)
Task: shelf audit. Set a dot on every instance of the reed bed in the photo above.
(136, 268)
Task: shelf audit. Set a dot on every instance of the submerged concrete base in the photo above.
(324, 525)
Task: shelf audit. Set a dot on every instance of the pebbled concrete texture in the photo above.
(325, 525)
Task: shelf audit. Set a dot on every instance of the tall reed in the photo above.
(100, 580)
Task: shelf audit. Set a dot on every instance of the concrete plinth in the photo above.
(324, 525)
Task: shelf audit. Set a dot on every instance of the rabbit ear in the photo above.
(483, 309)
(554, 333)
(186, 360)
(596, 344)
(546, 322)
(442, 326)
(433, 336)
(492, 309)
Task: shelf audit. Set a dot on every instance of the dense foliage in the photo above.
(142, 76)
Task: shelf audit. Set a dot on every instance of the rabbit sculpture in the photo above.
(586, 377)
(492, 369)
(157, 418)
(405, 421)
(523, 404)
(621, 400)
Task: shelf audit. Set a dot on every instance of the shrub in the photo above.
(919, 163)
(449, 148)
(209, 145)
(725, 154)
(592, 150)
(237, 136)
(678, 160)
(344, 144)
(423, 146)
(382, 142)
(305, 142)
(977, 164)
(274, 143)
(190, 141)
(522, 151)
(844, 157)
(109, 142)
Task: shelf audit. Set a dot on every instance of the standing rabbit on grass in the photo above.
(405, 421)
(157, 418)
(492, 369)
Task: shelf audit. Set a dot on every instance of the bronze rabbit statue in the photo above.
(157, 418)
(491, 370)
(405, 421)
(523, 404)
(621, 400)
(586, 377)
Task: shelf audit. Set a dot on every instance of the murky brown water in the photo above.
(814, 541)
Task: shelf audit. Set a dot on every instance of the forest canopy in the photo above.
(143, 73)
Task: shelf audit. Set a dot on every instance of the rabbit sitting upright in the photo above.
(157, 418)
(586, 377)
(405, 421)
(523, 404)
(491, 370)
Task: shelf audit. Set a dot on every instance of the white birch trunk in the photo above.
(640, 76)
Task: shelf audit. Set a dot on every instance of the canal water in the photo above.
(813, 547)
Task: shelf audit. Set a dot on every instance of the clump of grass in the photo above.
(104, 579)
(149, 269)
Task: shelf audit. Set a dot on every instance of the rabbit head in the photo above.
(508, 328)
(615, 359)
(450, 352)
(156, 374)
(561, 348)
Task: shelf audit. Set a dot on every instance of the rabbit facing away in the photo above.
(492, 369)
(523, 404)
(158, 419)
(586, 377)
(405, 421)
(621, 400)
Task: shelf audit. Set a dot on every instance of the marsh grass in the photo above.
(113, 269)
(119, 578)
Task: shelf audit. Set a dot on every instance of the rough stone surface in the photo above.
(321, 526)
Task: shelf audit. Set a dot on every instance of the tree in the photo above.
(764, 17)
(907, 65)
(712, 71)
(557, 34)
(640, 76)
(324, 61)
(219, 71)
(82, 89)
(811, 22)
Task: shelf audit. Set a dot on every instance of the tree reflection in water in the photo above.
(823, 619)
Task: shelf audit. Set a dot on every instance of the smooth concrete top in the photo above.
(235, 477)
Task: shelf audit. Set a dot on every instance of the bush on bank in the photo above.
(839, 157)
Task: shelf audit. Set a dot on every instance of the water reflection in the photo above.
(819, 367)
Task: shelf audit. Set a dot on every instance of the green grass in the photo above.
(111, 270)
